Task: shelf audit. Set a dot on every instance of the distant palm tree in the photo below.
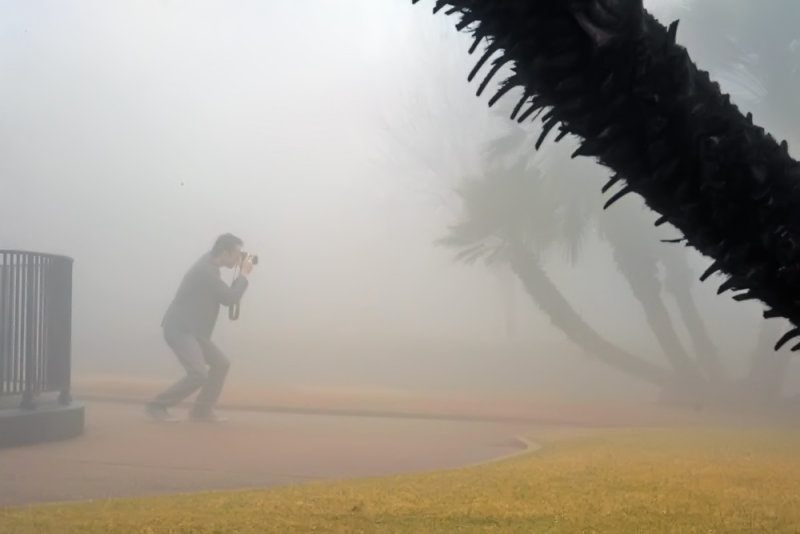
(509, 217)
(633, 245)
(637, 258)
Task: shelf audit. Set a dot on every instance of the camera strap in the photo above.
(233, 309)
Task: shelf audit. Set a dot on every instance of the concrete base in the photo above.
(47, 422)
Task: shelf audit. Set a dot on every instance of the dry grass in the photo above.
(642, 481)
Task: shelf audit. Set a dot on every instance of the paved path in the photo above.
(123, 454)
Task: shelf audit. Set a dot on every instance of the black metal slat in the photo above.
(32, 355)
(38, 325)
(35, 325)
(29, 362)
(65, 397)
(15, 325)
(11, 354)
(52, 332)
(4, 331)
(21, 323)
(9, 329)
(42, 324)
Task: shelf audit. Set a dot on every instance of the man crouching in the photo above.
(189, 323)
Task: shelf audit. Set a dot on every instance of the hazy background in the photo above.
(329, 136)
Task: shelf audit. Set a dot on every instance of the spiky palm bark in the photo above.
(610, 74)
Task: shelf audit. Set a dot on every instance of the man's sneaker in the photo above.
(207, 417)
(159, 413)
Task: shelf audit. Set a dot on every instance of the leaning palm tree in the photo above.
(638, 261)
(754, 52)
(634, 252)
(508, 217)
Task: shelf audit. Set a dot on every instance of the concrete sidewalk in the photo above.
(530, 409)
(124, 454)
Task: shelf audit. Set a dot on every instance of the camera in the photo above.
(253, 258)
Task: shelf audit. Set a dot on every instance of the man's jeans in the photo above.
(206, 368)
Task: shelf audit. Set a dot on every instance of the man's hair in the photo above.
(225, 243)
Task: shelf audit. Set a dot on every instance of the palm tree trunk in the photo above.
(678, 282)
(703, 346)
(564, 317)
(768, 367)
(506, 280)
(641, 272)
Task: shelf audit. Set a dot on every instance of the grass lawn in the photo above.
(617, 481)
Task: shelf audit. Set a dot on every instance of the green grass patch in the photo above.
(632, 481)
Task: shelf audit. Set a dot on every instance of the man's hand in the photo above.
(247, 265)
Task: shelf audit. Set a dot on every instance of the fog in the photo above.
(330, 136)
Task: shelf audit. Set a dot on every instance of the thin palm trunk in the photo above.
(677, 282)
(641, 275)
(631, 247)
(564, 317)
(768, 367)
(508, 288)
(701, 340)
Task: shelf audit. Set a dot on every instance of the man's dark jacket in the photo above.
(195, 308)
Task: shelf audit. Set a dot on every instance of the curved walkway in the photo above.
(123, 454)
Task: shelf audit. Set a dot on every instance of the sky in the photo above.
(330, 136)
